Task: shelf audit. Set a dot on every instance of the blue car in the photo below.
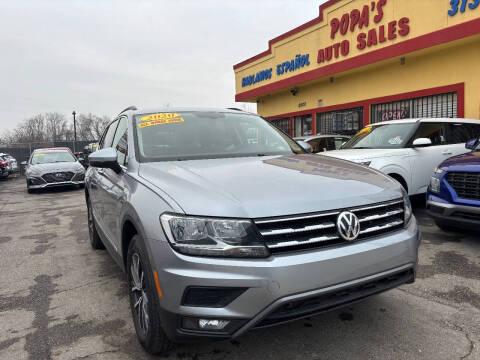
(453, 197)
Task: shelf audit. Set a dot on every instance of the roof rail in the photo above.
(133, 107)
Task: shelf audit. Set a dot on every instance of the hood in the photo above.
(40, 169)
(356, 155)
(268, 186)
(468, 159)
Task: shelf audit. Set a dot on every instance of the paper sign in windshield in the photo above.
(38, 154)
(395, 141)
(159, 116)
(160, 122)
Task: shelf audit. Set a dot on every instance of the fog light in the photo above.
(206, 324)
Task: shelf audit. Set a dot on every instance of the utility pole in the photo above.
(74, 130)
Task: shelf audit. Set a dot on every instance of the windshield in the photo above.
(52, 157)
(381, 137)
(202, 135)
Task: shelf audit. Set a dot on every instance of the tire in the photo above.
(144, 303)
(95, 240)
(30, 191)
(445, 227)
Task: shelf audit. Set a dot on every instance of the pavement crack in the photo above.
(79, 286)
(472, 345)
(428, 298)
(97, 353)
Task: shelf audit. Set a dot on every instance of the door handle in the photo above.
(447, 152)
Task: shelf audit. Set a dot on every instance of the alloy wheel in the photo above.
(138, 288)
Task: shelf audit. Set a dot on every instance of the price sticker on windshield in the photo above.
(159, 116)
(160, 122)
(38, 154)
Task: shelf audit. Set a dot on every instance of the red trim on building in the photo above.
(445, 35)
(459, 88)
(287, 34)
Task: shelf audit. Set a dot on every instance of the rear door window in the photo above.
(436, 132)
(462, 132)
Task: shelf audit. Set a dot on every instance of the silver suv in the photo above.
(224, 224)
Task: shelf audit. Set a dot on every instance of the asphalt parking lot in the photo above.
(59, 299)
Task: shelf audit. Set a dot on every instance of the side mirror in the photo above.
(422, 142)
(472, 144)
(305, 146)
(105, 158)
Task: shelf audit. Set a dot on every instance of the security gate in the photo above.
(433, 106)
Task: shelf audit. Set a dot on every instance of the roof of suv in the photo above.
(185, 109)
(429, 120)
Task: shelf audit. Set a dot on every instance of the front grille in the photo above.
(58, 177)
(465, 184)
(319, 230)
(307, 307)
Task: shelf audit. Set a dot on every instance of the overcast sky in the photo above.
(100, 56)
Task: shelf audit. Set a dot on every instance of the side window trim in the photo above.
(121, 119)
(114, 123)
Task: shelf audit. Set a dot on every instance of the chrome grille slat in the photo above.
(306, 242)
(300, 230)
(294, 218)
(390, 203)
(381, 216)
(381, 227)
(318, 230)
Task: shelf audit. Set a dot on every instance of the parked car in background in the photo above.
(4, 169)
(53, 167)
(321, 143)
(453, 197)
(409, 150)
(215, 237)
(12, 163)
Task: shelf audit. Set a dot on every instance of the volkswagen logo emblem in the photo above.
(348, 225)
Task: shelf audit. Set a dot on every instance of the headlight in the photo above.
(439, 171)
(407, 209)
(213, 237)
(435, 184)
(365, 163)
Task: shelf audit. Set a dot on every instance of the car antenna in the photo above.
(233, 108)
(133, 107)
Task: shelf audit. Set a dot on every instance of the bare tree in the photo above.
(53, 126)
(56, 126)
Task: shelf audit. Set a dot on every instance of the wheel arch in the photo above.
(400, 179)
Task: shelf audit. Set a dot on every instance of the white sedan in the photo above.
(409, 150)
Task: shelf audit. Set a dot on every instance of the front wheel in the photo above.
(144, 299)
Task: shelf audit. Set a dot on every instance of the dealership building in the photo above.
(363, 61)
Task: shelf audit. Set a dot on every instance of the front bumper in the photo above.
(305, 279)
(56, 184)
(454, 214)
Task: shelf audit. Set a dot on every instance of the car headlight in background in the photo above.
(214, 237)
(435, 184)
(407, 209)
(365, 163)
